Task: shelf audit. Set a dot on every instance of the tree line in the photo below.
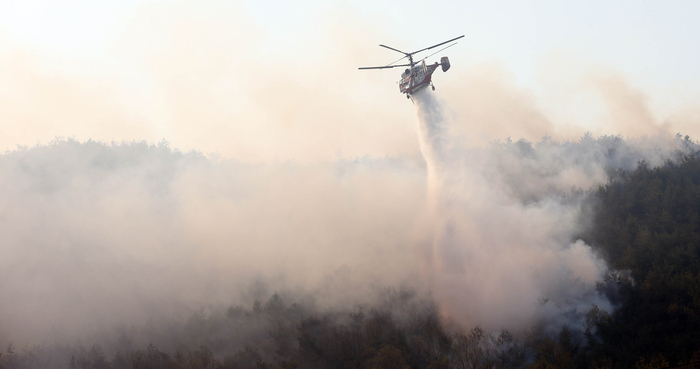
(645, 223)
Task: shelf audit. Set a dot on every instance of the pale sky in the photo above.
(263, 80)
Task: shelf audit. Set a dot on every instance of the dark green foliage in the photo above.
(648, 223)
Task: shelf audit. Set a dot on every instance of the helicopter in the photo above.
(418, 74)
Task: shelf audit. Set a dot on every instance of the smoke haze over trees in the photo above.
(120, 245)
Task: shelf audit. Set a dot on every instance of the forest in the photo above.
(644, 222)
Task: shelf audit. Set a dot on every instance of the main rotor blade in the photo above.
(386, 66)
(436, 52)
(408, 55)
(396, 61)
(442, 43)
(391, 48)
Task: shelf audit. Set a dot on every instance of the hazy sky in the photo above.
(264, 80)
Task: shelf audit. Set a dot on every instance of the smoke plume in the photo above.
(98, 236)
(505, 252)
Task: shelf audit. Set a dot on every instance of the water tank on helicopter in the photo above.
(445, 63)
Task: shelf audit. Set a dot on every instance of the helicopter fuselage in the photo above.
(417, 77)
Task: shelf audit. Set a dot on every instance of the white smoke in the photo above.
(499, 262)
(96, 235)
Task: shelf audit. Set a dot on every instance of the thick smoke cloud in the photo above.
(96, 235)
(100, 235)
(506, 220)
